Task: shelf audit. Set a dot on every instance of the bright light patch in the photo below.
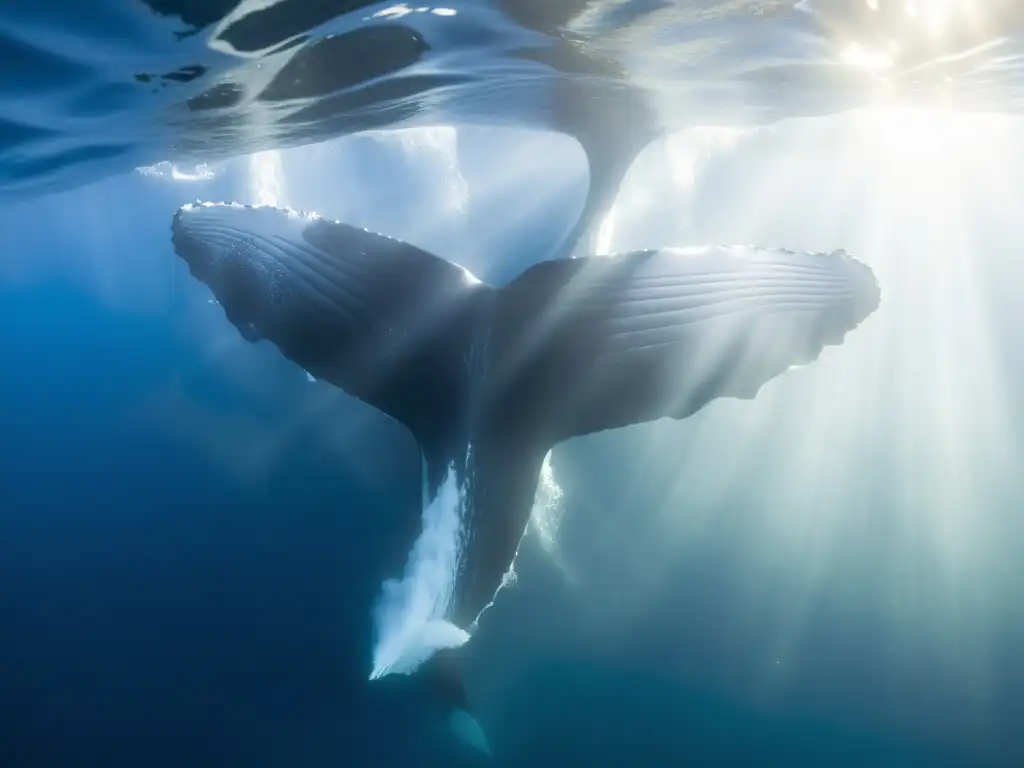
(936, 14)
(393, 12)
(266, 177)
(936, 17)
(605, 234)
(901, 448)
(934, 135)
(869, 60)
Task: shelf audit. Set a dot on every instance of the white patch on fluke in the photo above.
(410, 618)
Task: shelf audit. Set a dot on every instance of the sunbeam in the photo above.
(266, 178)
(889, 465)
(873, 486)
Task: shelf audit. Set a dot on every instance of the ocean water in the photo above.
(193, 535)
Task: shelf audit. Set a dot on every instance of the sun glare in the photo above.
(930, 133)
(266, 178)
(898, 441)
(874, 61)
(922, 25)
(934, 15)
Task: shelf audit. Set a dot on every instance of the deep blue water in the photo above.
(156, 609)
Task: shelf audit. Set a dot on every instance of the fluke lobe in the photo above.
(489, 378)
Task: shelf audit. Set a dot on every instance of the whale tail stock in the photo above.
(570, 347)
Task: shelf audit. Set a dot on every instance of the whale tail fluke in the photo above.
(570, 347)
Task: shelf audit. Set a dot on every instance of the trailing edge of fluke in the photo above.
(489, 378)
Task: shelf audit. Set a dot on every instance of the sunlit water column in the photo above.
(266, 178)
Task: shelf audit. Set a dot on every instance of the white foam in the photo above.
(410, 615)
(548, 509)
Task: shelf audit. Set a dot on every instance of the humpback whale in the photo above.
(489, 378)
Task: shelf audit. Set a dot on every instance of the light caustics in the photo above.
(900, 446)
